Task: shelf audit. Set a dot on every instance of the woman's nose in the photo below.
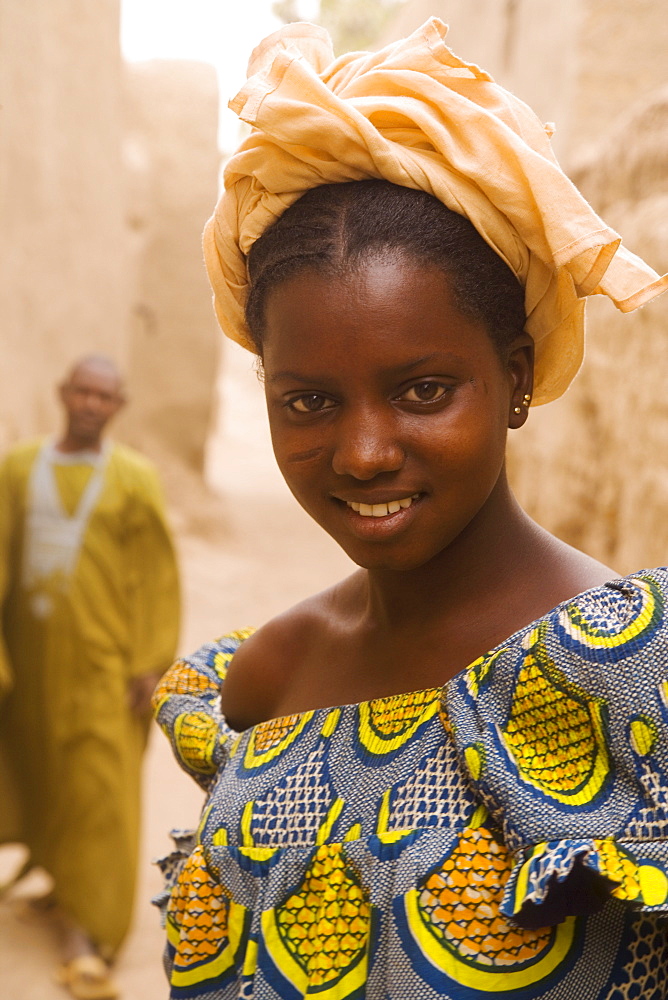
(367, 445)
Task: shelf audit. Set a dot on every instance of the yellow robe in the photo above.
(71, 749)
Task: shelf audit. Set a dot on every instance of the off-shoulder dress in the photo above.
(505, 835)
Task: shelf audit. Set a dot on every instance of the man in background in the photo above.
(89, 591)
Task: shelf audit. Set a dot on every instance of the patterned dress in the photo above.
(502, 836)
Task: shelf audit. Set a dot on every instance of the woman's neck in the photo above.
(500, 574)
(489, 556)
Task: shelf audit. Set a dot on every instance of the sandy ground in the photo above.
(256, 554)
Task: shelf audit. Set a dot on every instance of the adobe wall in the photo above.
(63, 273)
(107, 175)
(171, 161)
(593, 466)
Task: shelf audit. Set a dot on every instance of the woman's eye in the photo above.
(424, 392)
(310, 403)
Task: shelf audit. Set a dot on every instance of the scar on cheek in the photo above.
(304, 456)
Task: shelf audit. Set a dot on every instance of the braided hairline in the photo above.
(334, 228)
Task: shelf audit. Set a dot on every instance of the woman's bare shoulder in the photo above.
(574, 570)
(266, 662)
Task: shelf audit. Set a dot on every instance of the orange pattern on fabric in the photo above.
(199, 907)
(180, 679)
(461, 904)
(269, 734)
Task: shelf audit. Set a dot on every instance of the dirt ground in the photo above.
(252, 555)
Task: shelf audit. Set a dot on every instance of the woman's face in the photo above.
(388, 408)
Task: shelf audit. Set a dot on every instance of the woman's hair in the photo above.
(334, 228)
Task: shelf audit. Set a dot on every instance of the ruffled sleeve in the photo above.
(186, 704)
(563, 733)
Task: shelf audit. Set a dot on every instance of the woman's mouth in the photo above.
(382, 509)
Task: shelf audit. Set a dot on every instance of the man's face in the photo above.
(91, 397)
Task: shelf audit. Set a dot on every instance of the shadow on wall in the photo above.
(593, 466)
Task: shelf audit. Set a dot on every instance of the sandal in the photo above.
(87, 978)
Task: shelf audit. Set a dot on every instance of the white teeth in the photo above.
(382, 509)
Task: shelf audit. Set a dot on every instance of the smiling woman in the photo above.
(379, 390)
(445, 776)
(419, 325)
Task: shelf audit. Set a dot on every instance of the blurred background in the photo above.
(114, 130)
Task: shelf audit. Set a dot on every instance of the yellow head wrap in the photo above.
(417, 115)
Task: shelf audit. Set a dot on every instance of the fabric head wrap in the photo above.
(417, 115)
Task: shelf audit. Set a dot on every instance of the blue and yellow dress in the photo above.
(505, 835)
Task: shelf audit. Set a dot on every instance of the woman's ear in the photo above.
(520, 375)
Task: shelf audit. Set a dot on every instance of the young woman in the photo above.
(500, 828)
